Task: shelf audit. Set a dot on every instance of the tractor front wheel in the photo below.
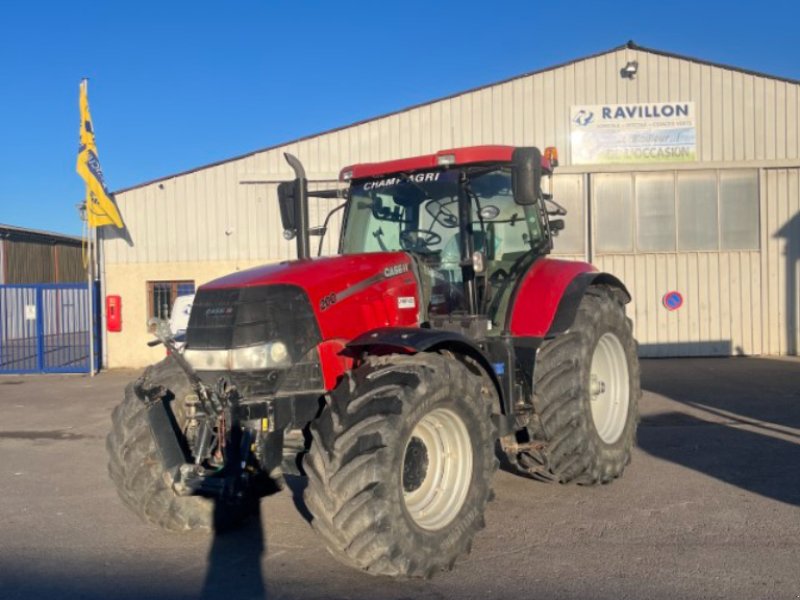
(401, 464)
(135, 466)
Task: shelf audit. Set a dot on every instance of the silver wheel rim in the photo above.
(437, 469)
(609, 388)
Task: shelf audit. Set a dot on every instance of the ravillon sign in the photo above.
(633, 133)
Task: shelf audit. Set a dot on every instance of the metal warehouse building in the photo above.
(681, 177)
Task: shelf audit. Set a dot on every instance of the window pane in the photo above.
(738, 210)
(162, 299)
(568, 192)
(655, 209)
(613, 208)
(697, 211)
(162, 294)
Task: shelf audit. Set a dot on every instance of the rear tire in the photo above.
(586, 397)
(135, 467)
(401, 462)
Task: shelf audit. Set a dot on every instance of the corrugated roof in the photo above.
(12, 231)
(631, 45)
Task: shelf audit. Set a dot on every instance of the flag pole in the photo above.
(90, 276)
(90, 269)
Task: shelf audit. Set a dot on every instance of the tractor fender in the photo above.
(413, 340)
(546, 300)
(568, 307)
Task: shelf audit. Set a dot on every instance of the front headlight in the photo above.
(249, 358)
(207, 360)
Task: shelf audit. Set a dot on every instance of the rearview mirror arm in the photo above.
(325, 226)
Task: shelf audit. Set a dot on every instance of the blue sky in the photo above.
(174, 85)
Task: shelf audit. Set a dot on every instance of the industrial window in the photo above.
(655, 211)
(697, 211)
(161, 295)
(568, 192)
(738, 210)
(684, 211)
(613, 201)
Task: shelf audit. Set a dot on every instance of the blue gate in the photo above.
(45, 328)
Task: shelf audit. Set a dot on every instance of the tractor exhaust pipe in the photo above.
(300, 197)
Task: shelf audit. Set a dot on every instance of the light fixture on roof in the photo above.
(629, 71)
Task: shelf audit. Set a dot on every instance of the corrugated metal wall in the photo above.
(29, 262)
(720, 314)
(69, 260)
(35, 262)
(780, 262)
(224, 213)
(745, 302)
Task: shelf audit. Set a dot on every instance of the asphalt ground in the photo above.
(709, 508)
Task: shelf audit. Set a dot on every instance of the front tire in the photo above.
(586, 397)
(135, 467)
(401, 464)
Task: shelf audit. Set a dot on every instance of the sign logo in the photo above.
(583, 117)
(672, 300)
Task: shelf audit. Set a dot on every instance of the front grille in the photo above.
(234, 318)
(251, 315)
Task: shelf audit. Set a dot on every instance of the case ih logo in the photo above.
(395, 270)
(222, 311)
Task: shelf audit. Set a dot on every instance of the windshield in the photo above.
(419, 213)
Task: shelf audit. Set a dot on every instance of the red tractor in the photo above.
(394, 374)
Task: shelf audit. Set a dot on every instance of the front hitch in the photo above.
(220, 407)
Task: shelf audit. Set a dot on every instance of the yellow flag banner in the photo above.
(100, 208)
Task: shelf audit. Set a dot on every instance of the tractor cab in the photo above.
(472, 219)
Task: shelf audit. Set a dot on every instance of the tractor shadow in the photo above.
(736, 420)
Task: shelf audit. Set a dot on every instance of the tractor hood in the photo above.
(348, 294)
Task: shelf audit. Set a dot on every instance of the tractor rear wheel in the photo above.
(586, 397)
(401, 462)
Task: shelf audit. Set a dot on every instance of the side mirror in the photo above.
(287, 206)
(526, 176)
(556, 225)
(293, 197)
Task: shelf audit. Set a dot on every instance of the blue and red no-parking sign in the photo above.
(672, 300)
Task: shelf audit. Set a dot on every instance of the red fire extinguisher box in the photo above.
(114, 312)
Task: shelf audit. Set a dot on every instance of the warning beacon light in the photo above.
(551, 155)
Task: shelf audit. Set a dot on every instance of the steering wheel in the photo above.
(443, 215)
(419, 239)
